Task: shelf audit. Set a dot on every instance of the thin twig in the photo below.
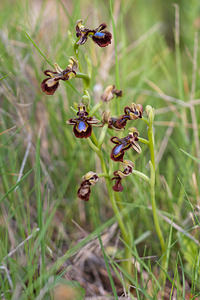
(3, 267)
(164, 144)
(179, 228)
(21, 244)
(156, 27)
(24, 160)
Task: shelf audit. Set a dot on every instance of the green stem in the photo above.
(144, 141)
(95, 108)
(154, 209)
(145, 120)
(76, 48)
(141, 175)
(94, 145)
(102, 135)
(152, 178)
(128, 239)
(103, 175)
(108, 185)
(151, 145)
(117, 76)
(94, 140)
(116, 210)
(94, 148)
(85, 78)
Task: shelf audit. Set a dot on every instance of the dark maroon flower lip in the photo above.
(84, 190)
(49, 85)
(124, 144)
(83, 124)
(99, 35)
(117, 187)
(102, 40)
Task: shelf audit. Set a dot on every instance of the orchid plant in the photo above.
(82, 128)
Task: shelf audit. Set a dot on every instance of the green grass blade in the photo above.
(191, 156)
(38, 49)
(4, 77)
(108, 268)
(15, 185)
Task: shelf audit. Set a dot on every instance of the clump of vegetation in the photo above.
(99, 208)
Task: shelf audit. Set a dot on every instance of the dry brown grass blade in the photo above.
(7, 130)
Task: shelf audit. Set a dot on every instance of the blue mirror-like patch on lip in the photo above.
(82, 126)
(117, 149)
(99, 34)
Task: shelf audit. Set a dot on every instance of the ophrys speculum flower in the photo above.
(99, 35)
(89, 179)
(50, 84)
(83, 124)
(123, 144)
(119, 175)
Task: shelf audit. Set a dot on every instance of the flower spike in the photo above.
(83, 124)
(84, 191)
(50, 84)
(100, 36)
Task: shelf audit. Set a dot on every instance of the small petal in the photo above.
(101, 27)
(79, 27)
(136, 147)
(50, 73)
(82, 111)
(73, 64)
(115, 140)
(82, 40)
